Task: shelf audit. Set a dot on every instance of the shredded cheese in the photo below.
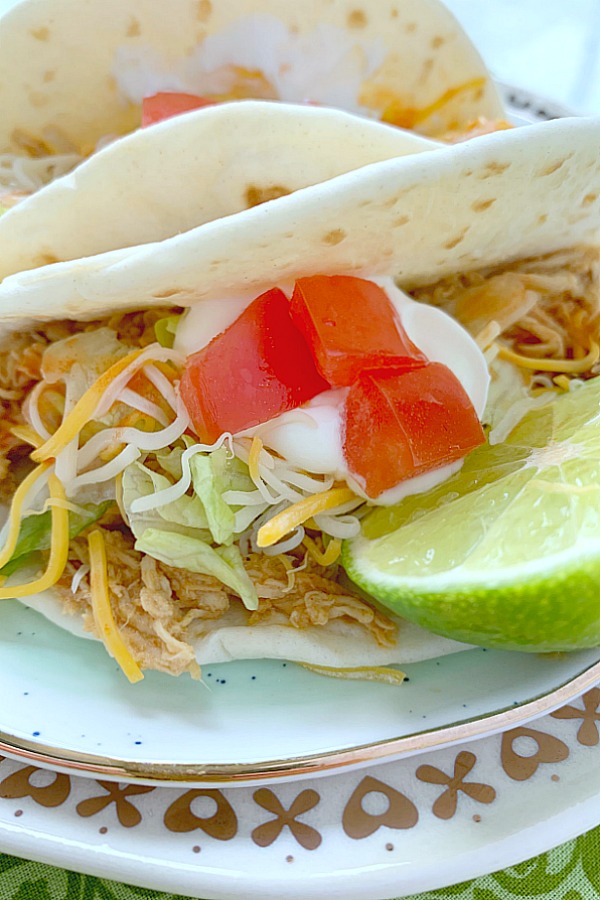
(102, 611)
(382, 674)
(571, 366)
(289, 519)
(26, 434)
(562, 382)
(327, 557)
(397, 114)
(254, 458)
(16, 509)
(59, 549)
(83, 410)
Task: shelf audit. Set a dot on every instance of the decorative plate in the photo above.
(361, 835)
(66, 706)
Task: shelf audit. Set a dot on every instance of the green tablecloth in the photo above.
(569, 872)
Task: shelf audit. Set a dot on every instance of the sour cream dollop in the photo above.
(310, 437)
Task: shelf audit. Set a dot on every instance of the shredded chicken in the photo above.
(20, 360)
(161, 611)
(546, 308)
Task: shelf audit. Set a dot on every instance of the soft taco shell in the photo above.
(337, 645)
(502, 197)
(184, 172)
(73, 72)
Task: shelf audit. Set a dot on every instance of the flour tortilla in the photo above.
(491, 201)
(502, 197)
(189, 170)
(336, 645)
(73, 72)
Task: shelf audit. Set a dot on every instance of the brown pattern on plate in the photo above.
(265, 834)
(590, 714)
(50, 795)
(520, 767)
(446, 804)
(127, 814)
(358, 823)
(222, 824)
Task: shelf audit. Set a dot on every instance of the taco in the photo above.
(246, 564)
(75, 74)
(160, 181)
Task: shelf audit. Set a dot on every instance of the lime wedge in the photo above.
(507, 552)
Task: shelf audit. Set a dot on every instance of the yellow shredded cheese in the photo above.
(288, 519)
(26, 434)
(103, 616)
(59, 549)
(382, 674)
(571, 366)
(16, 508)
(83, 411)
(329, 556)
(398, 114)
(562, 382)
(253, 458)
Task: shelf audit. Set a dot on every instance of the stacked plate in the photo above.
(270, 780)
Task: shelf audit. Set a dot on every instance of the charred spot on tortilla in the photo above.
(426, 69)
(34, 147)
(455, 241)
(542, 219)
(41, 34)
(437, 41)
(134, 28)
(48, 259)
(49, 75)
(205, 9)
(401, 221)
(256, 195)
(335, 237)
(494, 168)
(38, 100)
(482, 205)
(589, 199)
(357, 19)
(555, 166)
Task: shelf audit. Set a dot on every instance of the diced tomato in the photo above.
(256, 369)
(350, 325)
(165, 105)
(399, 424)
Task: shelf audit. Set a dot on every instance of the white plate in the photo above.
(66, 704)
(362, 835)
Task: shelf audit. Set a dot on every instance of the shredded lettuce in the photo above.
(185, 515)
(185, 552)
(212, 475)
(165, 330)
(35, 533)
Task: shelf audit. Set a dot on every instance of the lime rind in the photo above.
(506, 552)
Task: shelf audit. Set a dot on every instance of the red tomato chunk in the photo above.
(399, 424)
(350, 325)
(165, 105)
(256, 369)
